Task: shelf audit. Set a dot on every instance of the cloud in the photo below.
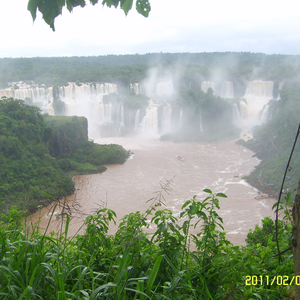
(173, 26)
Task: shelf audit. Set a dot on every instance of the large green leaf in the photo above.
(207, 191)
(221, 195)
(32, 7)
(143, 7)
(126, 6)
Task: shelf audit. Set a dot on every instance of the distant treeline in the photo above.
(125, 69)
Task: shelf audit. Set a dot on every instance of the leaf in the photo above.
(126, 6)
(109, 3)
(207, 191)
(69, 5)
(60, 3)
(221, 195)
(275, 205)
(50, 10)
(153, 274)
(32, 6)
(194, 208)
(186, 204)
(143, 7)
(185, 227)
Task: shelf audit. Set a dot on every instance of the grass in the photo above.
(132, 264)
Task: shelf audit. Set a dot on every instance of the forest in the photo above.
(39, 153)
(124, 69)
(272, 143)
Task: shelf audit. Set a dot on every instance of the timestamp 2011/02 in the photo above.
(272, 280)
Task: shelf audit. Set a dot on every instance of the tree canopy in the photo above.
(51, 9)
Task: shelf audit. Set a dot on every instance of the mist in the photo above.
(176, 96)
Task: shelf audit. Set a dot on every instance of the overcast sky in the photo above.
(173, 26)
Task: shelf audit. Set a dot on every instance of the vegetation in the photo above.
(272, 142)
(37, 150)
(51, 9)
(238, 67)
(206, 117)
(169, 263)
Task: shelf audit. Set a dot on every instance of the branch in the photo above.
(280, 192)
(287, 249)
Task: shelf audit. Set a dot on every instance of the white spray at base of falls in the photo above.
(166, 119)
(149, 124)
(253, 110)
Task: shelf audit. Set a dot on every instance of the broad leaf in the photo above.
(207, 191)
(32, 6)
(143, 7)
(126, 6)
(221, 195)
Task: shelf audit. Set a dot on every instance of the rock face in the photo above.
(68, 134)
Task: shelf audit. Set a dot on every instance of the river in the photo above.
(126, 188)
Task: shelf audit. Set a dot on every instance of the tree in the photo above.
(296, 239)
(50, 9)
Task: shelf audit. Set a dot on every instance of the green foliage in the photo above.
(27, 169)
(51, 9)
(272, 142)
(238, 67)
(36, 151)
(206, 117)
(132, 264)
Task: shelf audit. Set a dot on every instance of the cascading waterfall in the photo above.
(86, 100)
(227, 89)
(205, 85)
(6, 93)
(235, 114)
(200, 121)
(136, 88)
(137, 120)
(121, 115)
(149, 123)
(265, 114)
(243, 110)
(105, 113)
(254, 107)
(180, 119)
(166, 119)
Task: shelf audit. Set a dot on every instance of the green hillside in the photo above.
(36, 151)
(272, 142)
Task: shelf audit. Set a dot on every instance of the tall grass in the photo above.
(131, 264)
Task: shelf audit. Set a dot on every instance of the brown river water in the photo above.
(126, 188)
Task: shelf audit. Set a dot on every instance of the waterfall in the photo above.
(227, 89)
(235, 114)
(200, 120)
(258, 94)
(265, 114)
(6, 93)
(166, 119)
(205, 85)
(137, 120)
(243, 110)
(180, 119)
(121, 117)
(149, 123)
(135, 87)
